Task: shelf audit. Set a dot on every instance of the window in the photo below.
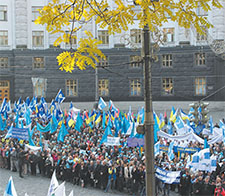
(200, 86)
(201, 11)
(135, 35)
(71, 88)
(71, 41)
(38, 38)
(167, 60)
(3, 13)
(38, 62)
(135, 87)
(3, 62)
(135, 61)
(35, 12)
(39, 86)
(103, 36)
(167, 85)
(3, 38)
(104, 62)
(103, 87)
(200, 58)
(202, 37)
(168, 34)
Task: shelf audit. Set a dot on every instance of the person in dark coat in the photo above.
(207, 188)
(33, 162)
(76, 173)
(21, 157)
(97, 176)
(136, 178)
(83, 174)
(197, 187)
(104, 175)
(185, 184)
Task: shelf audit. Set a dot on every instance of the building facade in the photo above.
(188, 68)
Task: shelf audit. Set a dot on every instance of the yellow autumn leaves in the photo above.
(115, 16)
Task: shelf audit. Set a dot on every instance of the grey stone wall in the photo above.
(119, 72)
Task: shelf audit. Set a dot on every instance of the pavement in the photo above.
(38, 186)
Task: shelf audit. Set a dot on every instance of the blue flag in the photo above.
(101, 104)
(10, 189)
(60, 97)
(79, 122)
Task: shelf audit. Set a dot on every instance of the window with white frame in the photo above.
(200, 86)
(3, 38)
(167, 60)
(39, 87)
(4, 62)
(168, 35)
(38, 38)
(3, 13)
(167, 86)
(135, 35)
(135, 87)
(71, 39)
(103, 35)
(200, 58)
(202, 37)
(135, 61)
(38, 62)
(103, 87)
(71, 88)
(104, 62)
(35, 12)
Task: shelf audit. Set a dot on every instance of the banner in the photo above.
(20, 133)
(133, 141)
(112, 141)
(186, 149)
(168, 177)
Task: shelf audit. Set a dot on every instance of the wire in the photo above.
(210, 95)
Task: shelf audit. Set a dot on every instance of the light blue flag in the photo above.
(103, 120)
(132, 131)
(206, 145)
(179, 123)
(62, 133)
(10, 189)
(60, 97)
(54, 124)
(170, 128)
(211, 124)
(27, 117)
(79, 122)
(8, 108)
(101, 104)
(105, 135)
(142, 115)
(156, 128)
(170, 151)
(31, 142)
(9, 133)
(44, 129)
(126, 126)
(27, 101)
(112, 107)
(3, 106)
(117, 126)
(157, 148)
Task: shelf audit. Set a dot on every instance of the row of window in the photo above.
(35, 12)
(103, 86)
(135, 61)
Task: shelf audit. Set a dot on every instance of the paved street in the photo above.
(38, 186)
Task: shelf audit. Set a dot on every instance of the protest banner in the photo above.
(168, 177)
(20, 133)
(112, 141)
(133, 141)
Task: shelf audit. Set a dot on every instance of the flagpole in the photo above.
(96, 72)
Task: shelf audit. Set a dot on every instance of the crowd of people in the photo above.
(82, 160)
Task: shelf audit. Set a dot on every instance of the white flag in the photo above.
(60, 191)
(10, 189)
(53, 184)
(71, 193)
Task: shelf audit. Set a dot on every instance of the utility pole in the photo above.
(96, 71)
(149, 122)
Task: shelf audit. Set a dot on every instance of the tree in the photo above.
(72, 15)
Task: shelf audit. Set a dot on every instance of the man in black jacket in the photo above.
(21, 157)
(104, 175)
